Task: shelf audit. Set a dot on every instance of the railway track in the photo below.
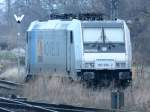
(9, 85)
(19, 106)
(15, 105)
(10, 89)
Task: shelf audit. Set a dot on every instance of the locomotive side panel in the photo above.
(47, 51)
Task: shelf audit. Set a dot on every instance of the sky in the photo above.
(2, 5)
(2, 2)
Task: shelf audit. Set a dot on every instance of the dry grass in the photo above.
(138, 96)
(12, 74)
(56, 91)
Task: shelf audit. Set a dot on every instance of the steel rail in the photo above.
(6, 103)
(43, 107)
(16, 106)
(6, 87)
(10, 83)
(5, 110)
(20, 106)
(65, 108)
(70, 108)
(9, 103)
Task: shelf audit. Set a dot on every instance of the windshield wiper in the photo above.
(103, 36)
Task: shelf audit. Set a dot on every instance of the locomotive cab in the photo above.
(107, 50)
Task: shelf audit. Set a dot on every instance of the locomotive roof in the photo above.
(51, 24)
(110, 24)
(59, 24)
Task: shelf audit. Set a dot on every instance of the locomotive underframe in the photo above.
(121, 77)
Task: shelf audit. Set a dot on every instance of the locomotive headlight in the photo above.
(120, 64)
(89, 65)
(104, 49)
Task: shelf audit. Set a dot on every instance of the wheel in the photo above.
(125, 83)
(30, 78)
